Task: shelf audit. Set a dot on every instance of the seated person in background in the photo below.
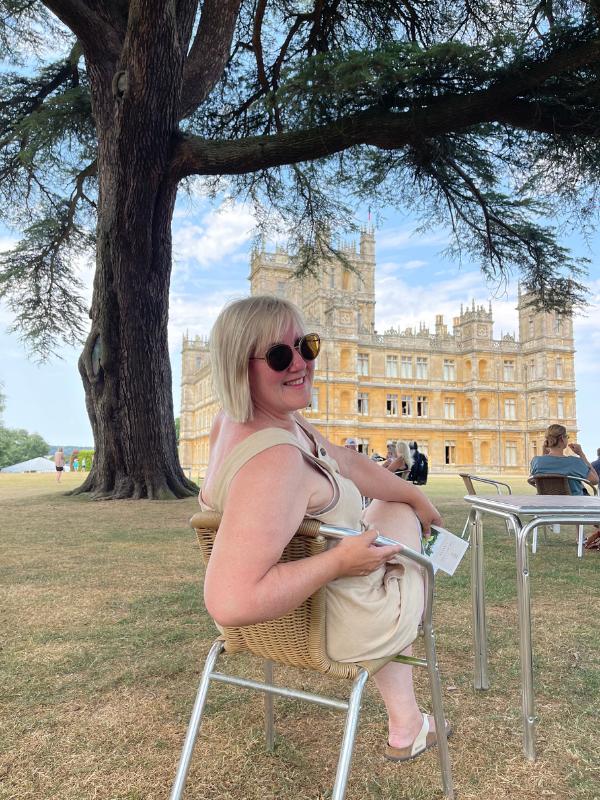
(399, 459)
(268, 468)
(557, 462)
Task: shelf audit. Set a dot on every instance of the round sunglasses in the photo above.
(280, 356)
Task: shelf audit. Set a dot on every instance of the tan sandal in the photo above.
(423, 741)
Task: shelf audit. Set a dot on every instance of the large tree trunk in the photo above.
(125, 362)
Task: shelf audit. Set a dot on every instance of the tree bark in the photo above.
(125, 364)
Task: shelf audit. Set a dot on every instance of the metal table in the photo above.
(542, 510)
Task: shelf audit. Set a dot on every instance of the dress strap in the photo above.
(253, 445)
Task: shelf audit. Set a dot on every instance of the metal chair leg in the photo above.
(343, 767)
(195, 720)
(438, 711)
(580, 538)
(269, 717)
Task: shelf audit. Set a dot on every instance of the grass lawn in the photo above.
(104, 633)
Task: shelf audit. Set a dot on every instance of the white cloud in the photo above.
(400, 239)
(219, 234)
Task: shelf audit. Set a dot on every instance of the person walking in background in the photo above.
(83, 464)
(59, 463)
(75, 464)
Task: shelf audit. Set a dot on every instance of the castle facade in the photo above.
(472, 402)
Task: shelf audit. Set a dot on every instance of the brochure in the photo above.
(445, 549)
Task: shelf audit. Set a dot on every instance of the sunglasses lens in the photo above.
(279, 357)
(310, 346)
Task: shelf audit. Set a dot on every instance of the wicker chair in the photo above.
(298, 639)
(554, 483)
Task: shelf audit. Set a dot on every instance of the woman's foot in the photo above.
(398, 749)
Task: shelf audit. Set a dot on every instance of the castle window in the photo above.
(406, 367)
(391, 366)
(362, 403)
(198, 362)
(510, 454)
(314, 400)
(532, 370)
(422, 368)
(406, 405)
(509, 371)
(558, 323)
(450, 452)
(449, 370)
(281, 288)
(560, 407)
(362, 364)
(391, 405)
(346, 279)
(422, 406)
(510, 408)
(559, 367)
(533, 407)
(531, 326)
(449, 408)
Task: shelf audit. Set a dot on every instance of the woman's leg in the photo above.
(395, 681)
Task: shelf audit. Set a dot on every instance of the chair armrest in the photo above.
(335, 532)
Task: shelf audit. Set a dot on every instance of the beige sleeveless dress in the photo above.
(367, 617)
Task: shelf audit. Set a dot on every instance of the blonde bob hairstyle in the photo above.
(243, 329)
(403, 450)
(554, 433)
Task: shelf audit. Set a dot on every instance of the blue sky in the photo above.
(414, 282)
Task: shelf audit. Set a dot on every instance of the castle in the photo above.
(472, 402)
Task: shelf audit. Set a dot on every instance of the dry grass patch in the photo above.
(104, 635)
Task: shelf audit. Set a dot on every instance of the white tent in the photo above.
(39, 464)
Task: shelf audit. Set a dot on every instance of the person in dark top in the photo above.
(596, 463)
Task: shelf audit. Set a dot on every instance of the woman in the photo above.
(399, 464)
(556, 461)
(268, 468)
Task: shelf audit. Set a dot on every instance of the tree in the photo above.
(479, 114)
(18, 445)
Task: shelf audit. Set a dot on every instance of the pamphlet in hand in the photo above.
(445, 549)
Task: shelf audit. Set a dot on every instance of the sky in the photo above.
(212, 245)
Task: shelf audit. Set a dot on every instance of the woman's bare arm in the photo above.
(266, 503)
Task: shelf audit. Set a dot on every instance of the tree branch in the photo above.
(101, 41)
(209, 52)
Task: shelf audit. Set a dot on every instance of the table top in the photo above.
(537, 504)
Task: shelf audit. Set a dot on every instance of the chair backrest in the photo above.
(550, 484)
(297, 638)
(500, 486)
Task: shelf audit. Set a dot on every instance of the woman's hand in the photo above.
(359, 556)
(427, 513)
(576, 448)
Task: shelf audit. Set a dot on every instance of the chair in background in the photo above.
(298, 639)
(552, 483)
(500, 486)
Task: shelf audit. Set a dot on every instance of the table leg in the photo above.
(524, 606)
(480, 680)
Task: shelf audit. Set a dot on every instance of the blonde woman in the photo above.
(269, 468)
(555, 460)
